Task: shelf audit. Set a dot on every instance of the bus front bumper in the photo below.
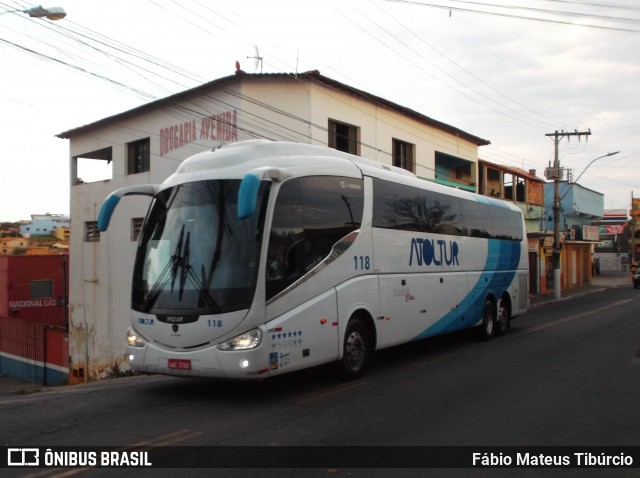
(205, 362)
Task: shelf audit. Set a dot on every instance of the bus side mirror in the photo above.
(249, 187)
(106, 211)
(248, 195)
(112, 200)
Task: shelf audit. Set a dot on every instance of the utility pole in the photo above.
(635, 214)
(556, 173)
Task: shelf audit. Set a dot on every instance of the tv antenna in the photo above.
(257, 58)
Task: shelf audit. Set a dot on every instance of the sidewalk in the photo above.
(13, 386)
(606, 280)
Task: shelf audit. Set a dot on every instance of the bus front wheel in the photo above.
(488, 327)
(356, 350)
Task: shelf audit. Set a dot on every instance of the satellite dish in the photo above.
(258, 59)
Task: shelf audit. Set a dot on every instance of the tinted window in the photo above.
(412, 209)
(310, 216)
(397, 206)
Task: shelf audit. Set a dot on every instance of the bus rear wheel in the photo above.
(356, 350)
(488, 327)
(503, 321)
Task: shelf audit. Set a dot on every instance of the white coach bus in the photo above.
(261, 258)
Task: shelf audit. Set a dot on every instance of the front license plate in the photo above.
(180, 364)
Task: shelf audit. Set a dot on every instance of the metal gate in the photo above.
(23, 349)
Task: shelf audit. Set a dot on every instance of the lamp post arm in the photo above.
(584, 170)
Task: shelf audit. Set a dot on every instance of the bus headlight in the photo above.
(134, 339)
(246, 341)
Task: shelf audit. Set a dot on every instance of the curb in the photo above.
(568, 297)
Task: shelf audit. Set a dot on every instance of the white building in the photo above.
(146, 144)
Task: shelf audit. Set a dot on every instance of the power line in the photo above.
(551, 12)
(507, 15)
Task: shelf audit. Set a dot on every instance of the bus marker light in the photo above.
(323, 321)
(335, 324)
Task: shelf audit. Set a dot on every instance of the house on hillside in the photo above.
(43, 225)
(12, 245)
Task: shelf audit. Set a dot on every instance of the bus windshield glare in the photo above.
(195, 256)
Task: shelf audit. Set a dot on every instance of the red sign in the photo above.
(612, 229)
(179, 364)
(216, 127)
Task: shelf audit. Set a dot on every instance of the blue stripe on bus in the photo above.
(503, 258)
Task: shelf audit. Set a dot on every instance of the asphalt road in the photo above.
(566, 374)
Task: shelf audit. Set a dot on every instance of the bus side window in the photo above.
(287, 230)
(311, 214)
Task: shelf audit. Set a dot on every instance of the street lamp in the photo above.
(583, 171)
(556, 225)
(52, 13)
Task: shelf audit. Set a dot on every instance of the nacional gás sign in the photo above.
(24, 304)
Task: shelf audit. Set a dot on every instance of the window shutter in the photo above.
(332, 134)
(131, 158)
(353, 140)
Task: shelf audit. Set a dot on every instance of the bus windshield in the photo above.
(195, 256)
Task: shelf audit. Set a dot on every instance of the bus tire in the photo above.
(356, 351)
(503, 321)
(488, 326)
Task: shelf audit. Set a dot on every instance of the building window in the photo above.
(139, 156)
(40, 289)
(136, 227)
(344, 137)
(404, 155)
(91, 231)
(507, 183)
(521, 190)
(514, 188)
(494, 183)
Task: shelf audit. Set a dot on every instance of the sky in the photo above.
(511, 72)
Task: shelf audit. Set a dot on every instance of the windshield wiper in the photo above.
(173, 265)
(176, 260)
(182, 270)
